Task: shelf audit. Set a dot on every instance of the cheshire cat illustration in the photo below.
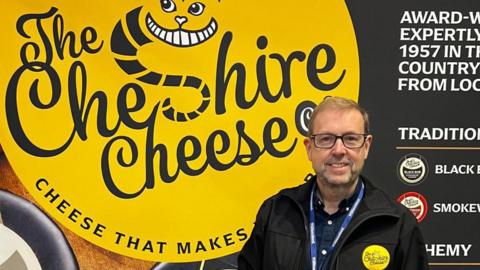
(127, 38)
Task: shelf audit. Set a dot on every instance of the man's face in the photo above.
(338, 165)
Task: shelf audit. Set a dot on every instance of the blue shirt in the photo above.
(327, 226)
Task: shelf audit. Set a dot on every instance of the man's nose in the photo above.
(338, 147)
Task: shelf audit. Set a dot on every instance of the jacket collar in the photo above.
(374, 199)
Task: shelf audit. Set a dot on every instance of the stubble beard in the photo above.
(346, 182)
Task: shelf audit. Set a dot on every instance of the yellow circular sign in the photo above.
(375, 257)
(155, 129)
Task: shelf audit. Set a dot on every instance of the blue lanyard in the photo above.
(346, 221)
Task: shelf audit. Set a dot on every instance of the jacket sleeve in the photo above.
(411, 252)
(251, 255)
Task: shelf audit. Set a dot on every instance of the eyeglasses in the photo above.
(327, 141)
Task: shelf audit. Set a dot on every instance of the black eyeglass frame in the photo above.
(312, 137)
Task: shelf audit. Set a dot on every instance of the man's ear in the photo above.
(308, 146)
(368, 143)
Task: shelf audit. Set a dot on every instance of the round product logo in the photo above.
(412, 169)
(156, 129)
(17, 254)
(375, 257)
(416, 203)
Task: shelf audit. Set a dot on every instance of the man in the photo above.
(355, 225)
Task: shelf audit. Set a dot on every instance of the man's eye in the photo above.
(350, 138)
(324, 138)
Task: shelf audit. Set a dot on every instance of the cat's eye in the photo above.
(196, 8)
(168, 5)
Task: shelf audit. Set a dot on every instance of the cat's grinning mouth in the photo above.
(181, 37)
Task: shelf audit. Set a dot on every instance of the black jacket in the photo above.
(279, 239)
